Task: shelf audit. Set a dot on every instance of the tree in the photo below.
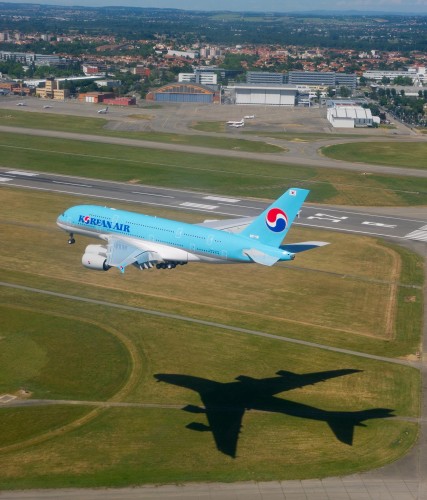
(403, 80)
(345, 91)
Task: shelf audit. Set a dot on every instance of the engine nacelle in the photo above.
(96, 249)
(95, 257)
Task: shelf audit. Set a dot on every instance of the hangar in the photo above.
(349, 116)
(265, 95)
(184, 92)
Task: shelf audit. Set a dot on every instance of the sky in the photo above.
(390, 6)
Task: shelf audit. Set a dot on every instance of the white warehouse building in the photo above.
(265, 95)
(349, 116)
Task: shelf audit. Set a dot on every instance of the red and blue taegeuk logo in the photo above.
(276, 220)
(86, 219)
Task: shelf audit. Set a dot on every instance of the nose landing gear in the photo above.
(71, 239)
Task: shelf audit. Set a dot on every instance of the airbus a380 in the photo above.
(146, 241)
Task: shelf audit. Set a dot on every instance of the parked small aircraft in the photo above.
(249, 117)
(20, 104)
(145, 241)
(103, 111)
(233, 123)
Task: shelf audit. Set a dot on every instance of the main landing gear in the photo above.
(71, 239)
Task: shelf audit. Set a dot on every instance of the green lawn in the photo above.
(397, 154)
(97, 126)
(346, 295)
(229, 176)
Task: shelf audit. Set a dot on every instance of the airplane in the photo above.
(234, 123)
(103, 111)
(237, 125)
(145, 241)
(20, 104)
(224, 404)
(47, 106)
(249, 117)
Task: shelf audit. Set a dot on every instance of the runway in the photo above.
(372, 223)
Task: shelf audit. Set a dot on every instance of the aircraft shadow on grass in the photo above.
(224, 404)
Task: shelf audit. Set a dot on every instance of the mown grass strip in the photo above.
(228, 176)
(97, 126)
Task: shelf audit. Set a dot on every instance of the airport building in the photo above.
(265, 78)
(265, 95)
(184, 92)
(199, 77)
(52, 90)
(323, 79)
(349, 116)
(95, 97)
(417, 74)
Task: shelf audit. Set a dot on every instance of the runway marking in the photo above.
(5, 179)
(217, 198)
(419, 235)
(72, 184)
(328, 217)
(7, 398)
(21, 172)
(378, 224)
(198, 205)
(153, 194)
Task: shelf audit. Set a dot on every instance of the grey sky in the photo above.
(392, 6)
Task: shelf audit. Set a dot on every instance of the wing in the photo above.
(121, 253)
(230, 225)
(225, 425)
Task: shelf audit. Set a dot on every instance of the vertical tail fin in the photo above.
(272, 225)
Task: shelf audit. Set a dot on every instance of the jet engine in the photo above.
(95, 257)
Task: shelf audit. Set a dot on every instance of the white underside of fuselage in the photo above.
(166, 252)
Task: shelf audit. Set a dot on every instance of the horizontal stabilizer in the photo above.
(196, 426)
(261, 257)
(194, 409)
(302, 247)
(343, 430)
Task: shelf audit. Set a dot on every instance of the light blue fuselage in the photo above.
(201, 243)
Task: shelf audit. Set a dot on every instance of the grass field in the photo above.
(97, 126)
(230, 176)
(397, 154)
(346, 295)
(221, 127)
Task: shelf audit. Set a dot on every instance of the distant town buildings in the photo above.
(417, 74)
(201, 77)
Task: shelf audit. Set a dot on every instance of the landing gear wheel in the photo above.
(71, 240)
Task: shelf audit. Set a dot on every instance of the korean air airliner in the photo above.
(146, 241)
